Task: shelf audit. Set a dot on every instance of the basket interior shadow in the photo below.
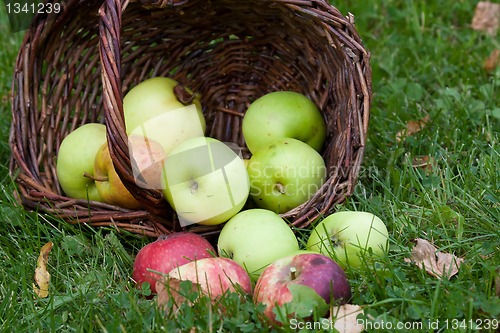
(75, 67)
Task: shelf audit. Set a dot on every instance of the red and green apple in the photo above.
(215, 276)
(166, 253)
(301, 285)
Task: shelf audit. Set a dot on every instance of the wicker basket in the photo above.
(75, 67)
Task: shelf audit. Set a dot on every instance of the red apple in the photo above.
(166, 253)
(304, 283)
(215, 275)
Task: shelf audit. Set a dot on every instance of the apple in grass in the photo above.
(161, 109)
(283, 114)
(285, 174)
(75, 159)
(254, 238)
(166, 253)
(301, 285)
(350, 237)
(215, 276)
(205, 181)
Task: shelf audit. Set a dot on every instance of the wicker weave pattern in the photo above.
(76, 67)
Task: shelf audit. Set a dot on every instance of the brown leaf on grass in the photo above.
(486, 17)
(412, 127)
(344, 318)
(42, 275)
(438, 264)
(170, 288)
(492, 62)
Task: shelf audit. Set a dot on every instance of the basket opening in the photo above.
(232, 53)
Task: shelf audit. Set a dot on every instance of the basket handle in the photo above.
(110, 18)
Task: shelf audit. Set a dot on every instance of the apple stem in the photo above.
(182, 95)
(293, 272)
(94, 178)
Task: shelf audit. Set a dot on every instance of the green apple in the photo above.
(75, 160)
(349, 237)
(285, 174)
(205, 181)
(283, 114)
(108, 183)
(255, 238)
(152, 109)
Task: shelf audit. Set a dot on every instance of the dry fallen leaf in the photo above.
(486, 17)
(492, 62)
(412, 127)
(169, 288)
(438, 264)
(345, 318)
(42, 276)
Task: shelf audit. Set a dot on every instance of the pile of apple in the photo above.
(257, 253)
(208, 182)
(204, 180)
(156, 121)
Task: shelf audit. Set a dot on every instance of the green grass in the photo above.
(426, 60)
